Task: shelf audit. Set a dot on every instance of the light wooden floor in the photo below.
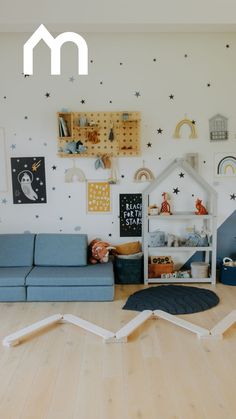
(163, 372)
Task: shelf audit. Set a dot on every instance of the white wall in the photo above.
(103, 12)
(208, 61)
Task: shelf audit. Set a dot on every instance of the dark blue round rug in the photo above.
(174, 299)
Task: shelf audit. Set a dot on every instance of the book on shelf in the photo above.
(63, 128)
(60, 129)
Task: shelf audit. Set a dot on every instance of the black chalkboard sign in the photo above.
(131, 215)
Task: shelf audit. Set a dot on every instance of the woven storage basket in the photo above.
(128, 271)
(228, 274)
(199, 270)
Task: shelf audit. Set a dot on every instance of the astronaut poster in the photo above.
(28, 180)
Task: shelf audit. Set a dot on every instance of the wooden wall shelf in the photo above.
(107, 134)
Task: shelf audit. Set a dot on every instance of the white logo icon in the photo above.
(55, 46)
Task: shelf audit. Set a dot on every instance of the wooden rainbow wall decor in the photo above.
(191, 124)
(227, 166)
(143, 175)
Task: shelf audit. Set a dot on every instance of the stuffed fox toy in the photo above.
(99, 251)
(201, 210)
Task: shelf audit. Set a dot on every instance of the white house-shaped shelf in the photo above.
(211, 218)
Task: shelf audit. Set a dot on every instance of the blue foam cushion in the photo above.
(12, 294)
(13, 276)
(16, 249)
(90, 275)
(92, 293)
(61, 250)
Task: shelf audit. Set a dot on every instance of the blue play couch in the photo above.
(51, 267)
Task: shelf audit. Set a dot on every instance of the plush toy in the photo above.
(201, 210)
(172, 241)
(74, 147)
(165, 205)
(99, 251)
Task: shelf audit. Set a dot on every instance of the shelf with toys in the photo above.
(166, 232)
(87, 134)
(181, 248)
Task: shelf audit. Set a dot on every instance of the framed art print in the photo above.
(131, 215)
(3, 168)
(225, 165)
(98, 197)
(28, 180)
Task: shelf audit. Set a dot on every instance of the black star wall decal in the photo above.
(47, 95)
(227, 45)
(208, 84)
(171, 96)
(137, 94)
(82, 101)
(181, 174)
(159, 131)
(54, 167)
(176, 190)
(233, 196)
(149, 144)
(193, 122)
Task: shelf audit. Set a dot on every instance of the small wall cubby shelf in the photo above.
(89, 134)
(209, 221)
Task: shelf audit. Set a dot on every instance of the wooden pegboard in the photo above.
(95, 137)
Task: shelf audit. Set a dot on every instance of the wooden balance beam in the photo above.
(121, 336)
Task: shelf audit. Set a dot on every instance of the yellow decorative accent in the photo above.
(185, 121)
(35, 166)
(99, 197)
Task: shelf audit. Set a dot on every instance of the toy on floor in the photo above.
(99, 251)
(201, 210)
(165, 205)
